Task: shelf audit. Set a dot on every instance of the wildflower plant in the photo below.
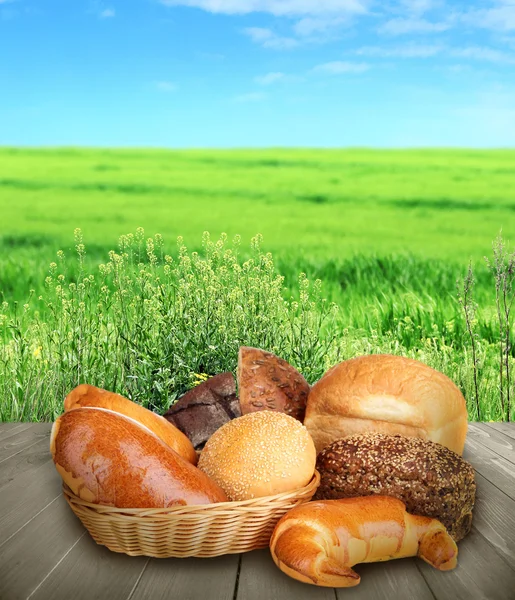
(151, 325)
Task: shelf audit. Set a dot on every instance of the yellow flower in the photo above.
(37, 352)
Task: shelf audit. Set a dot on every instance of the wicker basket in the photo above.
(203, 531)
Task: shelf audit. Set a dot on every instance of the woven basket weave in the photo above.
(203, 531)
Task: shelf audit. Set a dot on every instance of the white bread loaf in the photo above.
(386, 394)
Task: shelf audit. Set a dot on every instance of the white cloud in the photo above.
(276, 7)
(251, 97)
(269, 39)
(166, 86)
(406, 51)
(402, 26)
(418, 6)
(309, 26)
(478, 53)
(501, 17)
(269, 78)
(340, 67)
(483, 53)
(107, 13)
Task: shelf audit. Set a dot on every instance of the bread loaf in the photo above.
(205, 408)
(89, 396)
(386, 394)
(267, 382)
(260, 454)
(108, 458)
(430, 479)
(320, 542)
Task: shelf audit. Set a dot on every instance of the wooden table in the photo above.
(45, 553)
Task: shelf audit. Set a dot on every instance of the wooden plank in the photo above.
(188, 579)
(399, 579)
(22, 439)
(481, 573)
(506, 428)
(28, 556)
(493, 467)
(7, 426)
(494, 518)
(495, 440)
(29, 459)
(260, 578)
(27, 495)
(12, 429)
(91, 571)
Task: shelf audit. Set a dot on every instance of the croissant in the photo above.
(319, 542)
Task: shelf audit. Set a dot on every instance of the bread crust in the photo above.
(320, 542)
(108, 458)
(430, 479)
(86, 395)
(259, 454)
(205, 408)
(267, 382)
(387, 394)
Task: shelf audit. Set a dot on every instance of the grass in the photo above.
(387, 232)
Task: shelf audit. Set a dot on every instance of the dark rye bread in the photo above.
(430, 479)
(205, 408)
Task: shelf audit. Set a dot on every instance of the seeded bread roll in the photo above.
(429, 478)
(260, 454)
(386, 394)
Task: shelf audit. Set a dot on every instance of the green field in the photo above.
(388, 232)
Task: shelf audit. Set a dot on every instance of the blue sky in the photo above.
(225, 73)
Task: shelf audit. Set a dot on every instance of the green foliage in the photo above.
(148, 325)
(388, 233)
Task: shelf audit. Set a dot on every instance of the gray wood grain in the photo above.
(26, 495)
(493, 467)
(91, 571)
(29, 459)
(495, 440)
(506, 428)
(260, 579)
(29, 556)
(399, 579)
(494, 518)
(9, 429)
(188, 579)
(481, 574)
(22, 439)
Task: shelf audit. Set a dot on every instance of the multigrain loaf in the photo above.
(387, 394)
(429, 478)
(107, 458)
(259, 454)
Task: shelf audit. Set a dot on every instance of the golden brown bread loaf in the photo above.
(260, 454)
(108, 458)
(320, 542)
(386, 394)
(267, 382)
(88, 395)
(430, 479)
